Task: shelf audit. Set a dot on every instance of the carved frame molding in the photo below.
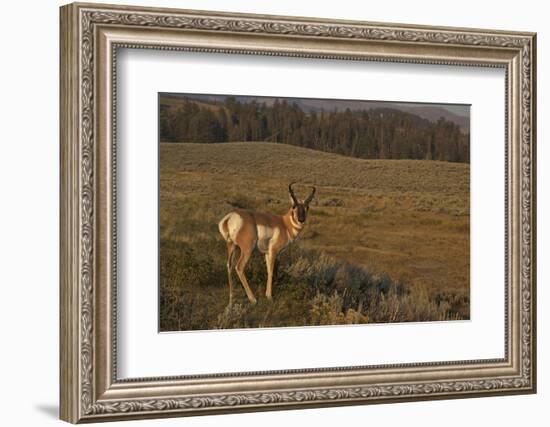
(90, 36)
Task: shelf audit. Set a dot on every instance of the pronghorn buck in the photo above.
(246, 230)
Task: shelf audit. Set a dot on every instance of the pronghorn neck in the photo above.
(293, 227)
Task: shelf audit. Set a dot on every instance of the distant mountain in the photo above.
(429, 112)
(434, 113)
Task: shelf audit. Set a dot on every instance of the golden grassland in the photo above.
(385, 240)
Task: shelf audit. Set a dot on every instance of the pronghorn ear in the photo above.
(292, 203)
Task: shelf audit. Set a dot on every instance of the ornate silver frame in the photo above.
(90, 36)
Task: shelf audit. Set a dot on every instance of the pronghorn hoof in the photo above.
(269, 297)
(253, 301)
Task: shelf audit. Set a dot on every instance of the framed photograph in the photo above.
(266, 212)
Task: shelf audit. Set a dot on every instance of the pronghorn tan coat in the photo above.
(248, 230)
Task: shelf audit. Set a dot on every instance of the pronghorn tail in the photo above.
(224, 228)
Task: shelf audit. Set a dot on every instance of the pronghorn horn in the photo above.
(291, 192)
(310, 197)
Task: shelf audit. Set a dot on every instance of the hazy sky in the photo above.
(462, 110)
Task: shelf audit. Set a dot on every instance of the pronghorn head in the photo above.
(299, 207)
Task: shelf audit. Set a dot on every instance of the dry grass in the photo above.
(400, 222)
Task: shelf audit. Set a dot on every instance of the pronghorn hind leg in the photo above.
(231, 250)
(241, 265)
(270, 263)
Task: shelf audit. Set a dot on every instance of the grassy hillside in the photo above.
(386, 240)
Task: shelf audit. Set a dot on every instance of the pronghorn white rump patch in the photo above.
(234, 224)
(230, 225)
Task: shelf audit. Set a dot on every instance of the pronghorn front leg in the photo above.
(270, 263)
